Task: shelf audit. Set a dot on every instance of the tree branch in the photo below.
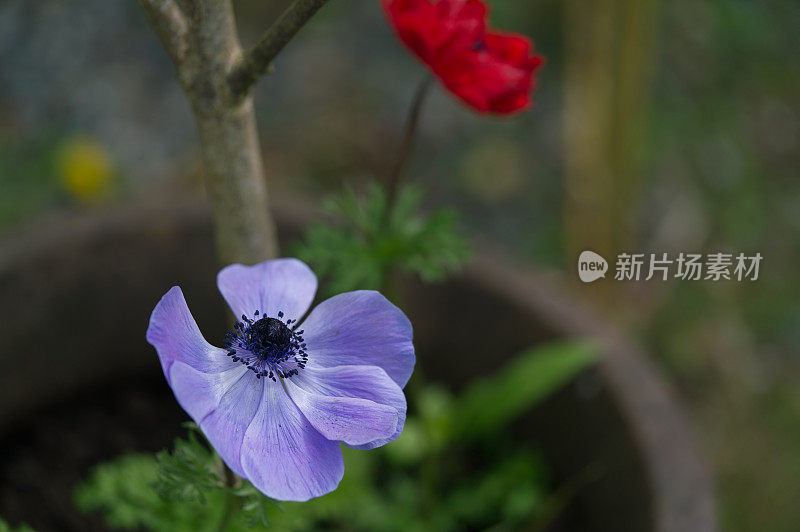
(255, 62)
(170, 26)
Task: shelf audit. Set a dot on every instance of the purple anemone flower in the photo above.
(278, 399)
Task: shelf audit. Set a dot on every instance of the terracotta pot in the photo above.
(76, 293)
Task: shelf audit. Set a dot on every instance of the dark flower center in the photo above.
(268, 336)
(267, 346)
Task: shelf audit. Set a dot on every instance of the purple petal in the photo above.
(284, 456)
(363, 382)
(174, 334)
(360, 329)
(201, 393)
(353, 421)
(286, 285)
(226, 425)
(222, 405)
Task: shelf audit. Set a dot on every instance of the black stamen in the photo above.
(266, 346)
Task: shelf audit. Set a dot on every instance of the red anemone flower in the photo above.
(491, 72)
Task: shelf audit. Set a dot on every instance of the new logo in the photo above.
(591, 266)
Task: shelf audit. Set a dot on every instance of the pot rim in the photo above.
(681, 485)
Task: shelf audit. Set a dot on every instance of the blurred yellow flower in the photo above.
(85, 169)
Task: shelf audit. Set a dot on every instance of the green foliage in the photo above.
(418, 482)
(5, 527)
(188, 472)
(367, 243)
(182, 490)
(123, 491)
(513, 492)
(491, 403)
(254, 506)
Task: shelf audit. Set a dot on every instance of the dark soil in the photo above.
(43, 459)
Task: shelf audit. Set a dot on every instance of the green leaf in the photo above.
(254, 505)
(489, 404)
(5, 527)
(181, 490)
(188, 472)
(122, 492)
(365, 243)
(510, 492)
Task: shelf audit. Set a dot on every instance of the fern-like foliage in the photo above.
(368, 239)
(189, 471)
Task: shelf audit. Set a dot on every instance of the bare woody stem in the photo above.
(200, 37)
(256, 61)
(170, 26)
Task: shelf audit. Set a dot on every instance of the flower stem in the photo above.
(389, 281)
(231, 500)
(412, 125)
(227, 512)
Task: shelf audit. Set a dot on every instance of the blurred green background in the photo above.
(658, 127)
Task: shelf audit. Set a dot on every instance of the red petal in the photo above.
(511, 48)
(432, 30)
(490, 71)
